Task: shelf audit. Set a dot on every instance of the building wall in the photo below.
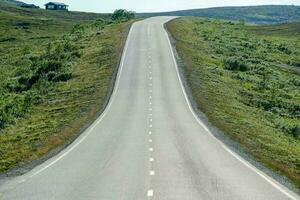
(55, 7)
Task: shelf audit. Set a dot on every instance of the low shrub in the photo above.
(235, 64)
(122, 15)
(284, 48)
(289, 128)
(14, 106)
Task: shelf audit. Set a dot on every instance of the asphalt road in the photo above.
(148, 144)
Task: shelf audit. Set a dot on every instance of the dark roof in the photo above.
(57, 3)
(28, 5)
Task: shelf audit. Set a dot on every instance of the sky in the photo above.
(104, 6)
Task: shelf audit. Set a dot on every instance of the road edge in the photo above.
(218, 134)
(21, 170)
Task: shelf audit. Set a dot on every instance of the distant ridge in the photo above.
(17, 3)
(267, 14)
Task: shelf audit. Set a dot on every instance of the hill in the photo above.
(253, 14)
(13, 2)
(56, 71)
(11, 8)
(246, 79)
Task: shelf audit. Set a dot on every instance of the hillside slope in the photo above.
(253, 14)
(56, 70)
(12, 9)
(246, 80)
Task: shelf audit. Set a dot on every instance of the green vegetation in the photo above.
(246, 80)
(253, 14)
(55, 72)
(122, 15)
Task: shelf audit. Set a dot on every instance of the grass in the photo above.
(56, 69)
(246, 80)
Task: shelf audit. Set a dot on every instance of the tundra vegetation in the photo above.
(122, 15)
(55, 73)
(245, 78)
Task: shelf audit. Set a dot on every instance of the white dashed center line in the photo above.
(150, 193)
(152, 173)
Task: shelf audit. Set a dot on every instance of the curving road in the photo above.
(148, 144)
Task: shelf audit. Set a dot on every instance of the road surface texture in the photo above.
(148, 143)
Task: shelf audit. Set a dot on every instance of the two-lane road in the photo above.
(148, 144)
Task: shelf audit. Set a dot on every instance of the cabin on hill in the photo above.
(56, 6)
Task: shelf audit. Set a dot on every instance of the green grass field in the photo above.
(56, 69)
(246, 80)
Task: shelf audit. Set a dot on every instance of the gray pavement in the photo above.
(148, 144)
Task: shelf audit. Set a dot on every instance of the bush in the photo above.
(284, 48)
(14, 106)
(100, 23)
(62, 77)
(122, 15)
(295, 82)
(291, 129)
(235, 64)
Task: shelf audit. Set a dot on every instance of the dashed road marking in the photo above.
(150, 193)
(152, 173)
(151, 159)
(150, 140)
(150, 132)
(151, 149)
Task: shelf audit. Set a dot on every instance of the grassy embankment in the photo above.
(55, 73)
(246, 80)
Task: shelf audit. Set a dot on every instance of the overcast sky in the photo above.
(158, 5)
